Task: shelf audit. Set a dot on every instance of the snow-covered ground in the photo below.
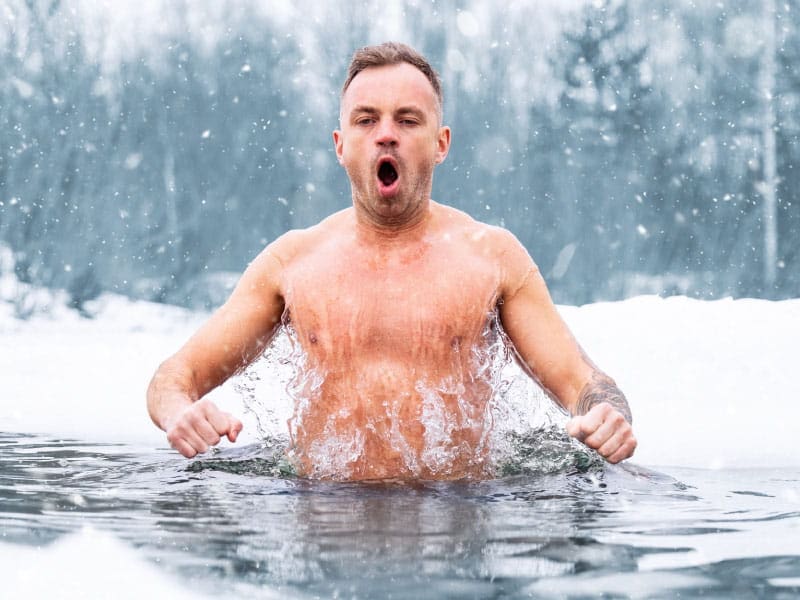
(711, 384)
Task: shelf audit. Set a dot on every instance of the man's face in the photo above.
(390, 139)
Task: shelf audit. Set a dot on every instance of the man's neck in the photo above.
(403, 228)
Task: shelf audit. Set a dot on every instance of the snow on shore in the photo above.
(711, 384)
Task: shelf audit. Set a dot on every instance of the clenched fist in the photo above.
(605, 429)
(199, 426)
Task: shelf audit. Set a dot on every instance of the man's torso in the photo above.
(394, 334)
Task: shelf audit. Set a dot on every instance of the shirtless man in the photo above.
(390, 301)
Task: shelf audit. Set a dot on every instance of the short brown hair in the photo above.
(393, 53)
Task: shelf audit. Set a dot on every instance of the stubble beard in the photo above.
(398, 210)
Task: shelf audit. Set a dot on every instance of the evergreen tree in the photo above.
(602, 135)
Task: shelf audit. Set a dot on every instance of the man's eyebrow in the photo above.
(363, 108)
(403, 110)
(410, 110)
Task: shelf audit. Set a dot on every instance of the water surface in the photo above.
(230, 522)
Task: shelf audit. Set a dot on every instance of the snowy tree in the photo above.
(622, 141)
(602, 136)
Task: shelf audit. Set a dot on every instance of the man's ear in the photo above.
(337, 144)
(442, 144)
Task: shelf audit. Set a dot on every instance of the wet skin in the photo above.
(394, 324)
(389, 298)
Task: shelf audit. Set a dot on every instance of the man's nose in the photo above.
(386, 133)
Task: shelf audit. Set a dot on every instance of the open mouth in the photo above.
(387, 172)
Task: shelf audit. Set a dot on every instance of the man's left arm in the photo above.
(603, 419)
(601, 416)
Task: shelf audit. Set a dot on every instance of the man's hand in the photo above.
(199, 426)
(605, 429)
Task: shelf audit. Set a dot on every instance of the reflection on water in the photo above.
(225, 522)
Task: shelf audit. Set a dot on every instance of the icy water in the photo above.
(232, 523)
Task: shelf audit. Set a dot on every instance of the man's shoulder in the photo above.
(486, 235)
(296, 242)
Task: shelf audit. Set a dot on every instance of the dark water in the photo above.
(225, 524)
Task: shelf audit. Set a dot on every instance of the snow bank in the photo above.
(87, 564)
(711, 384)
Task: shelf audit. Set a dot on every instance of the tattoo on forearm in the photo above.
(602, 388)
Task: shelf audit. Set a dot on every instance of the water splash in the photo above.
(268, 459)
(278, 386)
(520, 429)
(545, 450)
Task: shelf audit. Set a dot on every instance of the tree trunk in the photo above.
(768, 187)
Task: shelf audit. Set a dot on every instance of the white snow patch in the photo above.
(24, 89)
(467, 24)
(711, 384)
(88, 564)
(133, 160)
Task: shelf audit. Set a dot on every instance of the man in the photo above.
(390, 301)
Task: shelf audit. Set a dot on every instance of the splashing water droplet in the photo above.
(517, 431)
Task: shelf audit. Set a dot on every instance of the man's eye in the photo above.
(365, 121)
(408, 121)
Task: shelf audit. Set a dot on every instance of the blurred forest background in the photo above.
(152, 148)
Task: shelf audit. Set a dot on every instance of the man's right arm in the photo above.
(232, 338)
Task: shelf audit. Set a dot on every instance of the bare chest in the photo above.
(351, 305)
